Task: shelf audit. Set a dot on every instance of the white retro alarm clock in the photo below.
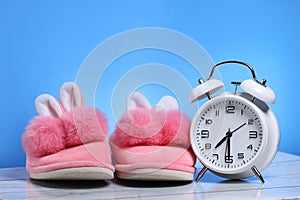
(234, 134)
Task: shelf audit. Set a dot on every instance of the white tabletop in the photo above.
(282, 182)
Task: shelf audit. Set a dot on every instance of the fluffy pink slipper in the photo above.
(67, 141)
(153, 143)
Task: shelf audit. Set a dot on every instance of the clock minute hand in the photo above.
(228, 148)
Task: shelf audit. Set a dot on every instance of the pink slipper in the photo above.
(67, 141)
(153, 143)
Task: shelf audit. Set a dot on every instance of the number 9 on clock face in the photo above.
(228, 134)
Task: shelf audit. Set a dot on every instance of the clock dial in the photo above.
(227, 134)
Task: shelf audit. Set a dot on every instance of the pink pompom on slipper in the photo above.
(153, 143)
(67, 141)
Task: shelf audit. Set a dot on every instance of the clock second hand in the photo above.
(238, 128)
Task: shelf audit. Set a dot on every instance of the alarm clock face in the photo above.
(228, 133)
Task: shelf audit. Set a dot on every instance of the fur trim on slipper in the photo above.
(141, 126)
(47, 135)
(43, 136)
(146, 127)
(83, 125)
(176, 129)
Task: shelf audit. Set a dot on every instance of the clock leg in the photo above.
(201, 173)
(258, 174)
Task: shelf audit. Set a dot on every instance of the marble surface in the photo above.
(282, 182)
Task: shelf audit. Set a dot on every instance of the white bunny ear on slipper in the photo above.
(70, 96)
(137, 100)
(47, 105)
(167, 103)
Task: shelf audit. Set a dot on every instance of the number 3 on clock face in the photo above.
(228, 134)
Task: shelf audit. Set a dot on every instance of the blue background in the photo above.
(43, 43)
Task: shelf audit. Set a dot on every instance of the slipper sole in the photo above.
(152, 174)
(81, 173)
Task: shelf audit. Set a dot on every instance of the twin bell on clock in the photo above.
(234, 134)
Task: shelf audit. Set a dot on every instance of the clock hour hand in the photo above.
(221, 142)
(223, 139)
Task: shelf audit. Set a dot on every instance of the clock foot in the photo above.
(258, 174)
(201, 173)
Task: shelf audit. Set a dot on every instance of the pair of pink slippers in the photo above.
(68, 141)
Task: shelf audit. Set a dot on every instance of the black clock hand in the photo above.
(237, 128)
(221, 141)
(227, 150)
(228, 157)
(229, 134)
